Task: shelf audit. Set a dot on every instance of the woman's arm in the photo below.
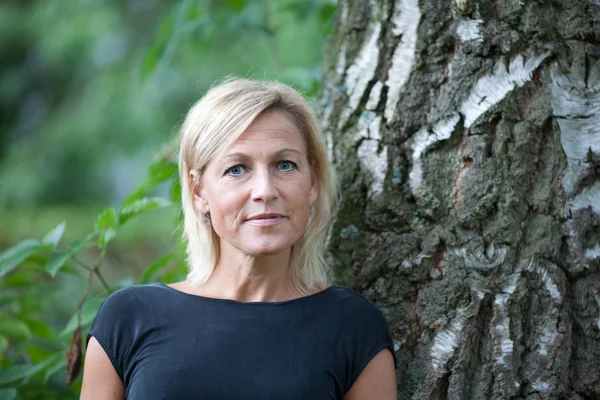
(100, 380)
(377, 381)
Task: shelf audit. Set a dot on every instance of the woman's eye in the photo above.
(286, 165)
(236, 170)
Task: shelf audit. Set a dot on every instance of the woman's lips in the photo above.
(266, 221)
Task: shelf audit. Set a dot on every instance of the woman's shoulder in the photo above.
(135, 291)
(349, 301)
(133, 296)
(345, 294)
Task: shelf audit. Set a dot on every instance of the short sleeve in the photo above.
(368, 335)
(116, 327)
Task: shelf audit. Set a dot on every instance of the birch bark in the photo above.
(466, 138)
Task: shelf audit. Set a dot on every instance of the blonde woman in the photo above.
(255, 318)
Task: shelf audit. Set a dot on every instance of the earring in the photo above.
(310, 210)
(206, 218)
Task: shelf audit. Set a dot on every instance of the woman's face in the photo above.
(258, 190)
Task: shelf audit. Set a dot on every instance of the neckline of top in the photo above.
(248, 303)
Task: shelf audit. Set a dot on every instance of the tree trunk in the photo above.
(466, 138)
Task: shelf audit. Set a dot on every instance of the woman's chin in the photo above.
(267, 249)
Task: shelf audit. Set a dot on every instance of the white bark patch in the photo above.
(549, 284)
(446, 342)
(503, 344)
(540, 386)
(415, 262)
(468, 30)
(406, 18)
(577, 110)
(589, 197)
(424, 139)
(374, 96)
(376, 164)
(491, 89)
(349, 232)
(396, 175)
(327, 106)
(344, 15)
(341, 62)
(511, 284)
(576, 106)
(361, 72)
(548, 331)
(329, 143)
(593, 253)
(547, 337)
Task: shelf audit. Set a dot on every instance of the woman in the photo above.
(255, 319)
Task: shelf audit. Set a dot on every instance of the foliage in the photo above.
(90, 89)
(32, 352)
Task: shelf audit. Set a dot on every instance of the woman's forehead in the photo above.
(272, 130)
(273, 120)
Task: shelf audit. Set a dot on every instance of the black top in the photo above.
(167, 344)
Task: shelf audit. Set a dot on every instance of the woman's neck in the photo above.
(244, 277)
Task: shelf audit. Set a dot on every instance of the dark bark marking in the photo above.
(441, 390)
(479, 347)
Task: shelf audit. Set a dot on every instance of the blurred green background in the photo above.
(91, 96)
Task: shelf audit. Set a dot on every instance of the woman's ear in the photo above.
(200, 203)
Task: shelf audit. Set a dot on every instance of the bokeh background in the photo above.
(91, 96)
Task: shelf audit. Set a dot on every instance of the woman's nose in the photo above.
(263, 186)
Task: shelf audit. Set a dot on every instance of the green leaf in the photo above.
(40, 259)
(56, 262)
(150, 272)
(80, 244)
(175, 191)
(166, 28)
(37, 353)
(19, 372)
(150, 62)
(88, 313)
(16, 373)
(15, 255)
(194, 11)
(158, 172)
(14, 329)
(39, 329)
(327, 12)
(162, 170)
(8, 394)
(237, 5)
(53, 237)
(58, 259)
(139, 206)
(21, 278)
(106, 226)
(3, 344)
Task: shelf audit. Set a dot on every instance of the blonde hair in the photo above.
(212, 125)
